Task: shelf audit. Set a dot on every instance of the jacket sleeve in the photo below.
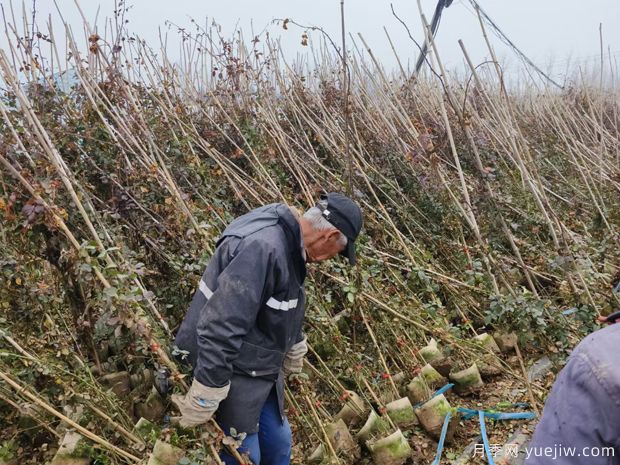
(580, 416)
(301, 335)
(231, 311)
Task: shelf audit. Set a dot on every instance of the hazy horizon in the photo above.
(545, 31)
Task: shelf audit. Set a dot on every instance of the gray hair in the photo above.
(318, 222)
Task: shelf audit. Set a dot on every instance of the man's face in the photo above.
(326, 246)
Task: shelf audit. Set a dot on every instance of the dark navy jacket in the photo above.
(581, 420)
(248, 312)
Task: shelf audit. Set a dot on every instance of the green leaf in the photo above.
(110, 292)
(85, 267)
(184, 461)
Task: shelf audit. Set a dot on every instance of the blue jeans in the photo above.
(272, 444)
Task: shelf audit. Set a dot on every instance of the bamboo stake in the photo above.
(132, 437)
(22, 390)
(527, 381)
(39, 421)
(379, 352)
(318, 422)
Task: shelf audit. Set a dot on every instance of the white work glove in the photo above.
(199, 404)
(294, 359)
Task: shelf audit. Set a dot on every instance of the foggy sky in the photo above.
(553, 33)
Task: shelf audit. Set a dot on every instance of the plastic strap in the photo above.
(442, 390)
(512, 416)
(469, 414)
(442, 438)
(435, 394)
(485, 439)
(521, 404)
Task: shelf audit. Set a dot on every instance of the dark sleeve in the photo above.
(301, 334)
(231, 311)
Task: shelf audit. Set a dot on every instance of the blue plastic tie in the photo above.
(435, 394)
(438, 392)
(468, 414)
(485, 439)
(442, 438)
(521, 404)
(512, 416)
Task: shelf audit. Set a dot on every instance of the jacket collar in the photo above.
(294, 239)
